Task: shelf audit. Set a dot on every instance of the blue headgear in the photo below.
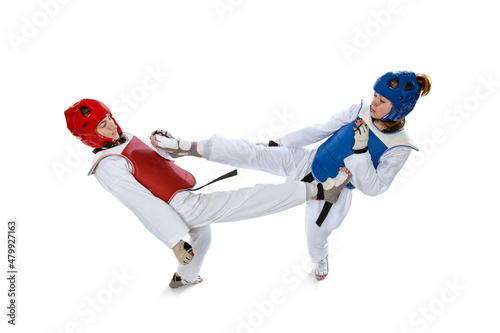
(403, 98)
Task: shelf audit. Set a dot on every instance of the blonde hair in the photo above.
(425, 83)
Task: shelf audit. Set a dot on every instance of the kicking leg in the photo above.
(288, 162)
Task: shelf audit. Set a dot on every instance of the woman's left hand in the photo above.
(361, 134)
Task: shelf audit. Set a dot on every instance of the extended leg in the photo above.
(294, 163)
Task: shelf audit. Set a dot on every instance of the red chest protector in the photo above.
(162, 177)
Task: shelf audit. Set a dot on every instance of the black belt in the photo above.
(326, 207)
(227, 175)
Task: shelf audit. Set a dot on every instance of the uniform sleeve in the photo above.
(371, 181)
(114, 174)
(318, 132)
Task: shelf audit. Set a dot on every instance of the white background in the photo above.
(420, 258)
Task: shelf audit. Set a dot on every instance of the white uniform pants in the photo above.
(293, 163)
(200, 210)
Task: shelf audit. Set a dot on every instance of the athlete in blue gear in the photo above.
(367, 139)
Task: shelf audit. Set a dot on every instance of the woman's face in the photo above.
(108, 129)
(380, 107)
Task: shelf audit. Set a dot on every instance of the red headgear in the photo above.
(82, 119)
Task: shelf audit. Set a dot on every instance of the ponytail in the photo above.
(425, 82)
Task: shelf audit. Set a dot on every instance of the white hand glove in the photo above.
(361, 134)
(183, 252)
(177, 148)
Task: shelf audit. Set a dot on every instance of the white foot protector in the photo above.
(321, 269)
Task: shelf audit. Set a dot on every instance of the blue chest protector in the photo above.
(331, 154)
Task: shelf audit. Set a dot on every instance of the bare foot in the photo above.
(321, 277)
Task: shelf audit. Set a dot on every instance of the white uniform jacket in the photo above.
(114, 173)
(365, 177)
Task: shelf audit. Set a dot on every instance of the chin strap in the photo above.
(108, 145)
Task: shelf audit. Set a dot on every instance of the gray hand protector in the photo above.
(331, 188)
(183, 252)
(177, 148)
